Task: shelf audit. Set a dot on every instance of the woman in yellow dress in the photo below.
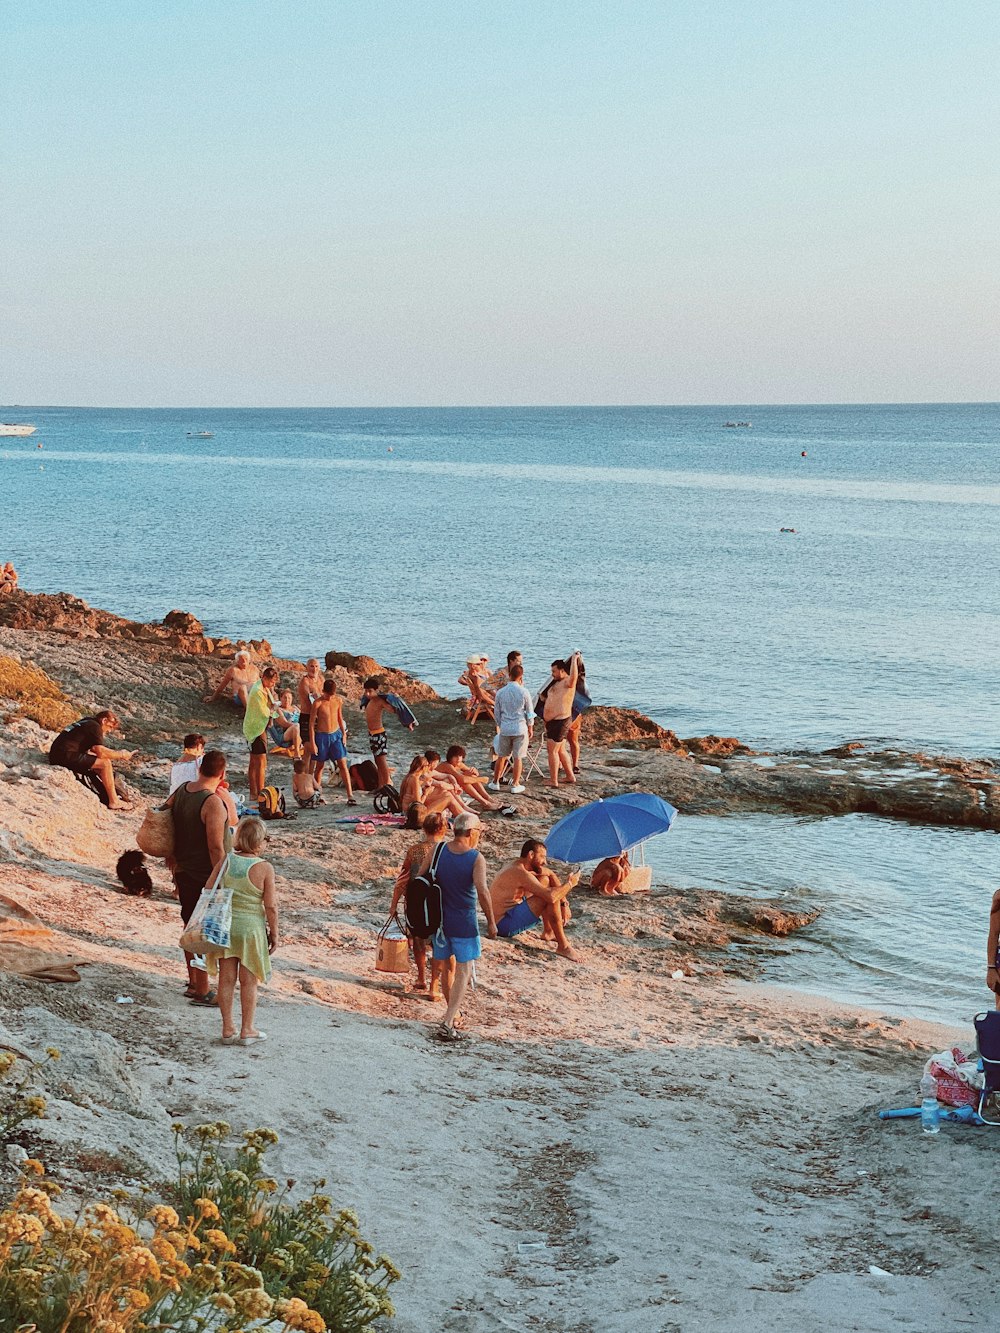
(254, 933)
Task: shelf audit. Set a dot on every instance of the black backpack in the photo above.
(386, 800)
(364, 776)
(423, 899)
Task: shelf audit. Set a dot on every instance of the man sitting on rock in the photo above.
(81, 749)
(237, 682)
(527, 894)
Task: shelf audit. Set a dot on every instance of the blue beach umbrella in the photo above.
(606, 828)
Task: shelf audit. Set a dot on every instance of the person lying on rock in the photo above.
(81, 749)
(609, 875)
(527, 894)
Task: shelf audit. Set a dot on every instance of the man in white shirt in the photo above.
(513, 712)
(188, 766)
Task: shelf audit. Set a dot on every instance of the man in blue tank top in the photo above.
(461, 872)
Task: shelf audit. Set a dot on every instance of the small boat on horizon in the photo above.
(16, 428)
(201, 435)
(734, 424)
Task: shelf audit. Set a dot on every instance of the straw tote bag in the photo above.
(392, 953)
(156, 832)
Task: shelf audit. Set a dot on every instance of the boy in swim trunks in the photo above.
(378, 742)
(526, 894)
(328, 736)
(304, 787)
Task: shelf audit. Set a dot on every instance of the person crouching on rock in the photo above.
(609, 875)
(81, 749)
(527, 894)
(253, 936)
(201, 813)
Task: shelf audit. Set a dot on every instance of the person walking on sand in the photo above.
(328, 736)
(201, 816)
(435, 830)
(558, 718)
(253, 935)
(526, 894)
(262, 706)
(309, 690)
(461, 872)
(513, 712)
(81, 749)
(237, 682)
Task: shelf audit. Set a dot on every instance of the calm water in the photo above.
(648, 537)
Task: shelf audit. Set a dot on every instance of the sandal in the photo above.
(446, 1033)
(206, 1000)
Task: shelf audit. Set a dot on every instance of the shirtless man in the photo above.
(464, 775)
(237, 682)
(526, 893)
(558, 718)
(328, 736)
(310, 689)
(610, 875)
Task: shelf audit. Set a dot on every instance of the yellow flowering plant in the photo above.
(19, 1098)
(312, 1261)
(232, 1252)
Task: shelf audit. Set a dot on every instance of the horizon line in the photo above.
(484, 407)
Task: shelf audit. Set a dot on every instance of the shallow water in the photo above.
(904, 910)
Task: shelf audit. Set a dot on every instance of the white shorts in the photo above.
(511, 745)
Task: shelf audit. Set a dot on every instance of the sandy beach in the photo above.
(614, 1147)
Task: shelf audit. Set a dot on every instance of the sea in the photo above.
(824, 574)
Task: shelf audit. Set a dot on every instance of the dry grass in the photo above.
(35, 695)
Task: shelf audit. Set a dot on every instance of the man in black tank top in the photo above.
(201, 818)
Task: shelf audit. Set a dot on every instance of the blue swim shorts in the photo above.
(462, 950)
(516, 919)
(330, 745)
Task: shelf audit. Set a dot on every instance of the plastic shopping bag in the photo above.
(211, 922)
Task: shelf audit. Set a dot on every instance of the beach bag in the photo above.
(423, 899)
(271, 803)
(364, 776)
(386, 800)
(156, 832)
(392, 953)
(211, 922)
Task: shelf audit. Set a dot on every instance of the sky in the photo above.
(427, 202)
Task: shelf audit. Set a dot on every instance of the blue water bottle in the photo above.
(930, 1114)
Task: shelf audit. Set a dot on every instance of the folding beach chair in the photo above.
(988, 1043)
(535, 758)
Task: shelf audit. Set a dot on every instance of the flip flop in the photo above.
(206, 1001)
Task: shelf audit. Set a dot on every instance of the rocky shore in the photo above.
(641, 1119)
